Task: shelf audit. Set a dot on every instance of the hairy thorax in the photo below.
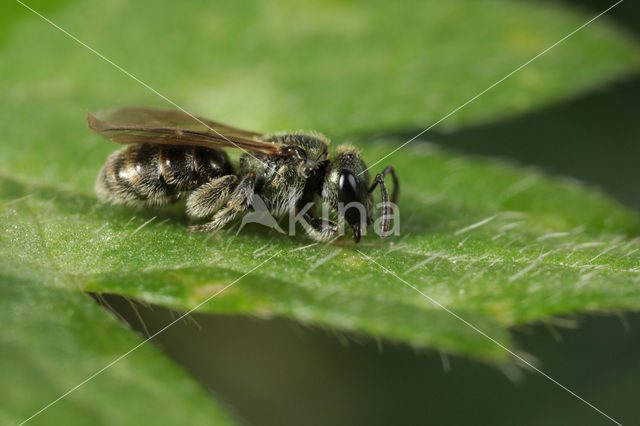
(280, 181)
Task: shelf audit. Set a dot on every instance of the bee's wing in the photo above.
(134, 125)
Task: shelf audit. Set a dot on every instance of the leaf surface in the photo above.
(497, 245)
(53, 339)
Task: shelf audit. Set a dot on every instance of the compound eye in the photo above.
(348, 193)
(347, 187)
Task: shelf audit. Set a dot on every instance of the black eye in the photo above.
(348, 193)
(347, 187)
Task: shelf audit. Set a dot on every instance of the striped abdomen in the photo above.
(156, 175)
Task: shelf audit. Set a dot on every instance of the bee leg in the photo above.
(386, 207)
(238, 202)
(320, 229)
(210, 197)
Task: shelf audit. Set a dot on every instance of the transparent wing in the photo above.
(132, 125)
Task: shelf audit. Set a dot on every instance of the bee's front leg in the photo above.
(319, 229)
(238, 202)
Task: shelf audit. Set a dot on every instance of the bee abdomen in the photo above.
(156, 175)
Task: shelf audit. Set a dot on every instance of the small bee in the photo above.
(174, 156)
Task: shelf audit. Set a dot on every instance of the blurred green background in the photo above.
(276, 372)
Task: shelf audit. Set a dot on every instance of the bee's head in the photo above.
(346, 190)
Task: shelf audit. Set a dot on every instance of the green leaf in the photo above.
(53, 339)
(497, 245)
(547, 247)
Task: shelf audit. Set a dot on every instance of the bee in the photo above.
(172, 156)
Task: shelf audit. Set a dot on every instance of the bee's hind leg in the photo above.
(210, 197)
(237, 203)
